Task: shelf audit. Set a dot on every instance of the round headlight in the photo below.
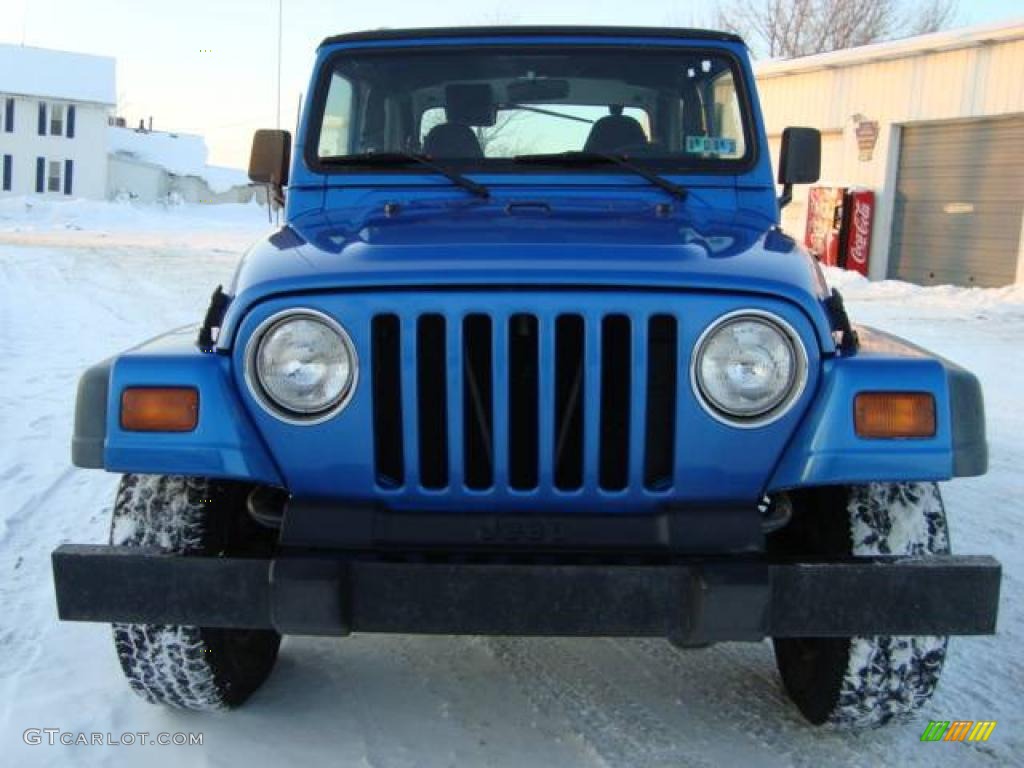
(748, 368)
(301, 366)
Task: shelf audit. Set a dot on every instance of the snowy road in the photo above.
(74, 292)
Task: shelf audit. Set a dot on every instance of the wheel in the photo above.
(863, 682)
(197, 668)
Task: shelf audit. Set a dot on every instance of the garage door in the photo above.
(959, 203)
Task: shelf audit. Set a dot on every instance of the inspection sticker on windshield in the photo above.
(710, 145)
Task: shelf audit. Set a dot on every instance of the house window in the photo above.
(8, 120)
(8, 162)
(56, 119)
(53, 176)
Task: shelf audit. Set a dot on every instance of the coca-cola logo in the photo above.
(861, 231)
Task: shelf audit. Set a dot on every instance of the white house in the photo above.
(54, 107)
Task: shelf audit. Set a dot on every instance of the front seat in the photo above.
(452, 140)
(613, 133)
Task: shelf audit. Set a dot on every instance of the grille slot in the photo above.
(478, 399)
(432, 400)
(387, 400)
(569, 396)
(523, 393)
(524, 401)
(615, 402)
(660, 432)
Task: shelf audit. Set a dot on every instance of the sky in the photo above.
(210, 66)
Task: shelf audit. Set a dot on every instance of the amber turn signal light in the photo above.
(894, 414)
(160, 409)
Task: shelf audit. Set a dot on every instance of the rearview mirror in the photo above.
(529, 90)
(799, 160)
(270, 158)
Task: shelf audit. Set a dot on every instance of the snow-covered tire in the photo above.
(863, 682)
(198, 668)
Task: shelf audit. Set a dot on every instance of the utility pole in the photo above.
(280, 17)
(277, 112)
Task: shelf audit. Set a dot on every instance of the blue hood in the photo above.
(632, 243)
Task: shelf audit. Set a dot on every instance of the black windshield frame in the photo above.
(663, 164)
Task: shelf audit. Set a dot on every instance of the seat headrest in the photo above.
(614, 132)
(470, 104)
(452, 140)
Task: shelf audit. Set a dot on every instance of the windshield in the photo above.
(486, 106)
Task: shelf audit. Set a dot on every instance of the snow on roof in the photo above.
(180, 153)
(947, 40)
(26, 71)
(183, 154)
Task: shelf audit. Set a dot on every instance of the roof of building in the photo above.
(183, 154)
(27, 71)
(937, 42)
(532, 31)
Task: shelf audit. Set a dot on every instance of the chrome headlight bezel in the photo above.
(265, 400)
(797, 384)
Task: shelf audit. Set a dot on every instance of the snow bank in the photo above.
(36, 214)
(855, 287)
(183, 154)
(102, 224)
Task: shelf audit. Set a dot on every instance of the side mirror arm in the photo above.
(787, 195)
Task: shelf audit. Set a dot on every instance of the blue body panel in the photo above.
(609, 244)
(224, 444)
(826, 449)
(335, 458)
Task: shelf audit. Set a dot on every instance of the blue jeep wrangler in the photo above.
(531, 356)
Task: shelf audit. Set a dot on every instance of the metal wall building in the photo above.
(934, 125)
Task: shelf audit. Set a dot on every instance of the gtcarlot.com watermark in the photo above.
(54, 736)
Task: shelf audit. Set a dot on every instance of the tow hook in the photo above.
(776, 512)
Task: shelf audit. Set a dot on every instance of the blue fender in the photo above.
(224, 443)
(827, 451)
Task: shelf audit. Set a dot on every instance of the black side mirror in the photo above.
(271, 156)
(799, 160)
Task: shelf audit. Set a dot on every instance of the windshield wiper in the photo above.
(575, 157)
(392, 158)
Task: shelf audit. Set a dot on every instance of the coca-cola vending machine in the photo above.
(839, 226)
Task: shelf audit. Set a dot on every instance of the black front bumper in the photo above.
(691, 601)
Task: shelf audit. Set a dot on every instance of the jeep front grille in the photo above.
(470, 402)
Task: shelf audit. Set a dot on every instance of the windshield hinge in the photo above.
(840, 321)
(214, 316)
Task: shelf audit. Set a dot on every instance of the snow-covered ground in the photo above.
(80, 281)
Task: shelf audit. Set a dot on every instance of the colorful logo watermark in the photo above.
(958, 730)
